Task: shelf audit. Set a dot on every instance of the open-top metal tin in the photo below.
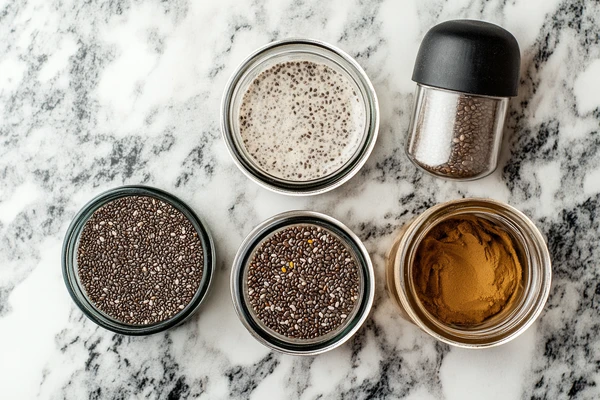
(294, 50)
(76, 290)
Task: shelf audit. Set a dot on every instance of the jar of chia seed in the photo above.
(466, 71)
(299, 117)
(302, 283)
(137, 260)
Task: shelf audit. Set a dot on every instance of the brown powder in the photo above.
(466, 270)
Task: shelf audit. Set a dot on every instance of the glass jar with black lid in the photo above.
(466, 71)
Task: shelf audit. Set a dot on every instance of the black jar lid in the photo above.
(469, 56)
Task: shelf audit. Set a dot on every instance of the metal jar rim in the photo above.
(255, 237)
(69, 256)
(329, 182)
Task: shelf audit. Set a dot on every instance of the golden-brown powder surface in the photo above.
(466, 270)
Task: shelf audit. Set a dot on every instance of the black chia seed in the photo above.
(140, 260)
(303, 282)
(473, 138)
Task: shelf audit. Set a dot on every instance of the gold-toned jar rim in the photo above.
(536, 281)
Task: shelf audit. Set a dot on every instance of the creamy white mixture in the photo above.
(301, 120)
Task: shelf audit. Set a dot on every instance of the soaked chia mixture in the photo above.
(140, 260)
(301, 120)
(303, 282)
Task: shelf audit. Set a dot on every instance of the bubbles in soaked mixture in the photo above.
(301, 120)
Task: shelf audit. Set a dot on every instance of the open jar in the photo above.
(302, 283)
(137, 260)
(531, 286)
(466, 71)
(299, 117)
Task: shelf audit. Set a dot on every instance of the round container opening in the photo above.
(520, 309)
(299, 117)
(334, 300)
(302, 283)
(137, 260)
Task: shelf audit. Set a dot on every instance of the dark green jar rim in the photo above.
(69, 261)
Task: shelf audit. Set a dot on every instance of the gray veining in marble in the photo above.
(96, 94)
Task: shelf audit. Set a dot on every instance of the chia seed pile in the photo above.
(472, 121)
(301, 120)
(303, 282)
(140, 260)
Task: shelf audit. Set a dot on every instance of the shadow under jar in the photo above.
(515, 311)
(302, 283)
(137, 260)
(299, 117)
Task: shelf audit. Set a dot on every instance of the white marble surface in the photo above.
(96, 94)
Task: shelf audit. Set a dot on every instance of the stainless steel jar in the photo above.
(297, 50)
(76, 289)
(239, 285)
(500, 328)
(466, 71)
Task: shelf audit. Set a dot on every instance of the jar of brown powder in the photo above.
(466, 71)
(473, 273)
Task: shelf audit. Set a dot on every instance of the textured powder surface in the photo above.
(466, 270)
(301, 121)
(140, 260)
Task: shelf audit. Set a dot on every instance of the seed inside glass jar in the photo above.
(456, 135)
(139, 260)
(303, 282)
(301, 120)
